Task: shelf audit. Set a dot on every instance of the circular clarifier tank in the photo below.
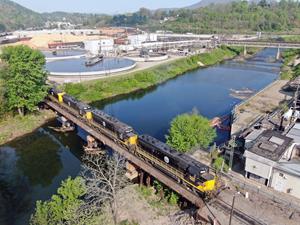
(73, 67)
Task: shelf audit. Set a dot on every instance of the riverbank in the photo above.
(106, 88)
(267, 100)
(289, 70)
(15, 126)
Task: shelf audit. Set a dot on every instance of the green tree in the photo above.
(2, 27)
(25, 78)
(63, 207)
(189, 131)
(220, 164)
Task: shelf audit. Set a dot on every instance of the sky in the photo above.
(101, 6)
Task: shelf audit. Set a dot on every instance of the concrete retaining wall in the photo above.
(149, 59)
(52, 59)
(92, 73)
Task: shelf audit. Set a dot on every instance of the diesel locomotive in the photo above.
(192, 173)
(195, 174)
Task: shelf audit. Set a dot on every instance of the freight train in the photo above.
(195, 175)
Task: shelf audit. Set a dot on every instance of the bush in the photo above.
(189, 131)
(174, 198)
(218, 163)
(145, 191)
(63, 207)
(127, 222)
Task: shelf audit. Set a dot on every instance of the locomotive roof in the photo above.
(112, 119)
(159, 144)
(80, 104)
(183, 157)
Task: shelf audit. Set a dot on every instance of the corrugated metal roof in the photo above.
(291, 167)
(294, 133)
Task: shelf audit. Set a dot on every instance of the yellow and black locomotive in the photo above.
(194, 174)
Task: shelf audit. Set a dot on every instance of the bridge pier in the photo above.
(245, 51)
(278, 53)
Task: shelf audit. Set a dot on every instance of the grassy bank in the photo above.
(105, 88)
(291, 38)
(12, 127)
(288, 70)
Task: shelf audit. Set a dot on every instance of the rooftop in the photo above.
(271, 145)
(294, 133)
(292, 167)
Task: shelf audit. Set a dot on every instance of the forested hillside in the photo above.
(14, 16)
(239, 16)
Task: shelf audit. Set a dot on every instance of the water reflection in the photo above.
(32, 168)
(13, 187)
(38, 151)
(207, 90)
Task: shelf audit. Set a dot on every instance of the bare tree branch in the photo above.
(104, 177)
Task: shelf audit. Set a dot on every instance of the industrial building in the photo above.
(273, 159)
(97, 46)
(269, 148)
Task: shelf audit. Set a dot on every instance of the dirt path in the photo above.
(265, 101)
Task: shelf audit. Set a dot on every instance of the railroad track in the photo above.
(242, 217)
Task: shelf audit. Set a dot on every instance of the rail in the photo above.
(273, 195)
(113, 144)
(237, 214)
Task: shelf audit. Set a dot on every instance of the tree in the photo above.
(104, 177)
(63, 207)
(2, 27)
(189, 131)
(25, 78)
(220, 165)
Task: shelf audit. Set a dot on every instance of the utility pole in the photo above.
(232, 208)
(232, 145)
(295, 104)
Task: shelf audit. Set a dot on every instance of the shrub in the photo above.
(218, 163)
(189, 131)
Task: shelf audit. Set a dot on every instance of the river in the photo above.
(32, 167)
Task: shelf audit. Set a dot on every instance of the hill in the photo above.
(205, 3)
(14, 16)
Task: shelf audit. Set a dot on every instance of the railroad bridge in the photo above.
(143, 165)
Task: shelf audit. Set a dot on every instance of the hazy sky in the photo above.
(101, 6)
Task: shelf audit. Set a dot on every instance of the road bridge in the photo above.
(261, 44)
(177, 44)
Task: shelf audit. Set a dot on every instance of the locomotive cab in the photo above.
(131, 138)
(85, 111)
(202, 180)
(57, 94)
